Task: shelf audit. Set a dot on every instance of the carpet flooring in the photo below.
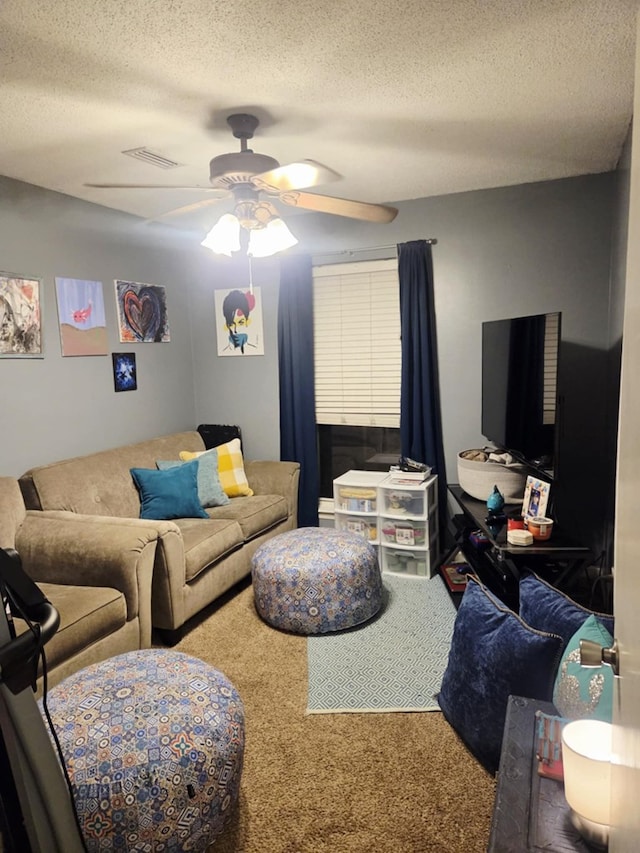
(335, 783)
(394, 662)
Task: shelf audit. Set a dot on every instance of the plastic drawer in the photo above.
(407, 562)
(365, 527)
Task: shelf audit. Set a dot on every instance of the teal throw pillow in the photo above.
(585, 691)
(168, 494)
(210, 489)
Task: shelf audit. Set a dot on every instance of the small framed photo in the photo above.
(124, 371)
(536, 497)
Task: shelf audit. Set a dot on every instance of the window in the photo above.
(357, 366)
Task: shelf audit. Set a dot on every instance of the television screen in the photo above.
(519, 385)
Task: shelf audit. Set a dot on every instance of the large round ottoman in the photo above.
(314, 580)
(154, 744)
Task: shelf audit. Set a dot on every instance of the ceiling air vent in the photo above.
(152, 157)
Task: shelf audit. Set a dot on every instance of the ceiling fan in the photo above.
(246, 176)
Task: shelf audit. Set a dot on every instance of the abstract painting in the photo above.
(20, 317)
(83, 327)
(239, 322)
(125, 377)
(142, 312)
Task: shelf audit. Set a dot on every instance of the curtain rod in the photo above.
(431, 240)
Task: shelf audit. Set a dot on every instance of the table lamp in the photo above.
(586, 756)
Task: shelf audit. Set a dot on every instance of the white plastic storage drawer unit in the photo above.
(408, 526)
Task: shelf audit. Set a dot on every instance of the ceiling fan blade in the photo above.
(219, 192)
(294, 176)
(341, 206)
(187, 208)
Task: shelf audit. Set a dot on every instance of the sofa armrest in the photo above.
(269, 477)
(65, 548)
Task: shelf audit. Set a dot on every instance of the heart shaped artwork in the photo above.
(143, 312)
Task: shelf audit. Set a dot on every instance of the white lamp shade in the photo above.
(224, 237)
(273, 238)
(586, 758)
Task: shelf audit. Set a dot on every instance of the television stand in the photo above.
(499, 565)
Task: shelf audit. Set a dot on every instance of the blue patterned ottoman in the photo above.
(154, 744)
(316, 579)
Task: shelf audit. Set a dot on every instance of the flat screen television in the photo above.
(520, 386)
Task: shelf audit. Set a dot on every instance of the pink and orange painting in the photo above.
(81, 315)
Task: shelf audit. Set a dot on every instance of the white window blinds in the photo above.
(357, 343)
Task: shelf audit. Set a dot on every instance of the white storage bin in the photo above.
(401, 532)
(407, 562)
(360, 524)
(408, 531)
(357, 491)
(408, 500)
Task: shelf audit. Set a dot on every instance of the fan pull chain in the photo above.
(250, 274)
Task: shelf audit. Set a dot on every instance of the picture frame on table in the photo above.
(536, 497)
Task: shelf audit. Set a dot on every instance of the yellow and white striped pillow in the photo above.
(230, 468)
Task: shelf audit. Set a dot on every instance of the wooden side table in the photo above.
(530, 812)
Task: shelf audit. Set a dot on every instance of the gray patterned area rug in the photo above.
(395, 662)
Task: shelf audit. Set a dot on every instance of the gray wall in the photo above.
(239, 390)
(56, 407)
(503, 252)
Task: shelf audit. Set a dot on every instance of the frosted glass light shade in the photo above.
(224, 237)
(586, 757)
(273, 238)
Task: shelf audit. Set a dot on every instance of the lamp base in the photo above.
(595, 834)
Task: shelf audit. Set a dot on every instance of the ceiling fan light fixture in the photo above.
(273, 238)
(224, 237)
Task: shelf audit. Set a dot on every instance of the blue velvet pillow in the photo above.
(546, 608)
(210, 489)
(493, 654)
(168, 494)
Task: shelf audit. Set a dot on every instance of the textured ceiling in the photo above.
(404, 99)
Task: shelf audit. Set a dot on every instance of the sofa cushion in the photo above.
(493, 654)
(255, 514)
(101, 483)
(207, 542)
(546, 608)
(87, 614)
(585, 691)
(210, 489)
(169, 494)
(230, 467)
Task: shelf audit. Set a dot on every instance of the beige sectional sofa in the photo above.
(196, 560)
(103, 594)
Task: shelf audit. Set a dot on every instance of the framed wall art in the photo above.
(125, 377)
(20, 317)
(239, 322)
(142, 312)
(81, 315)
